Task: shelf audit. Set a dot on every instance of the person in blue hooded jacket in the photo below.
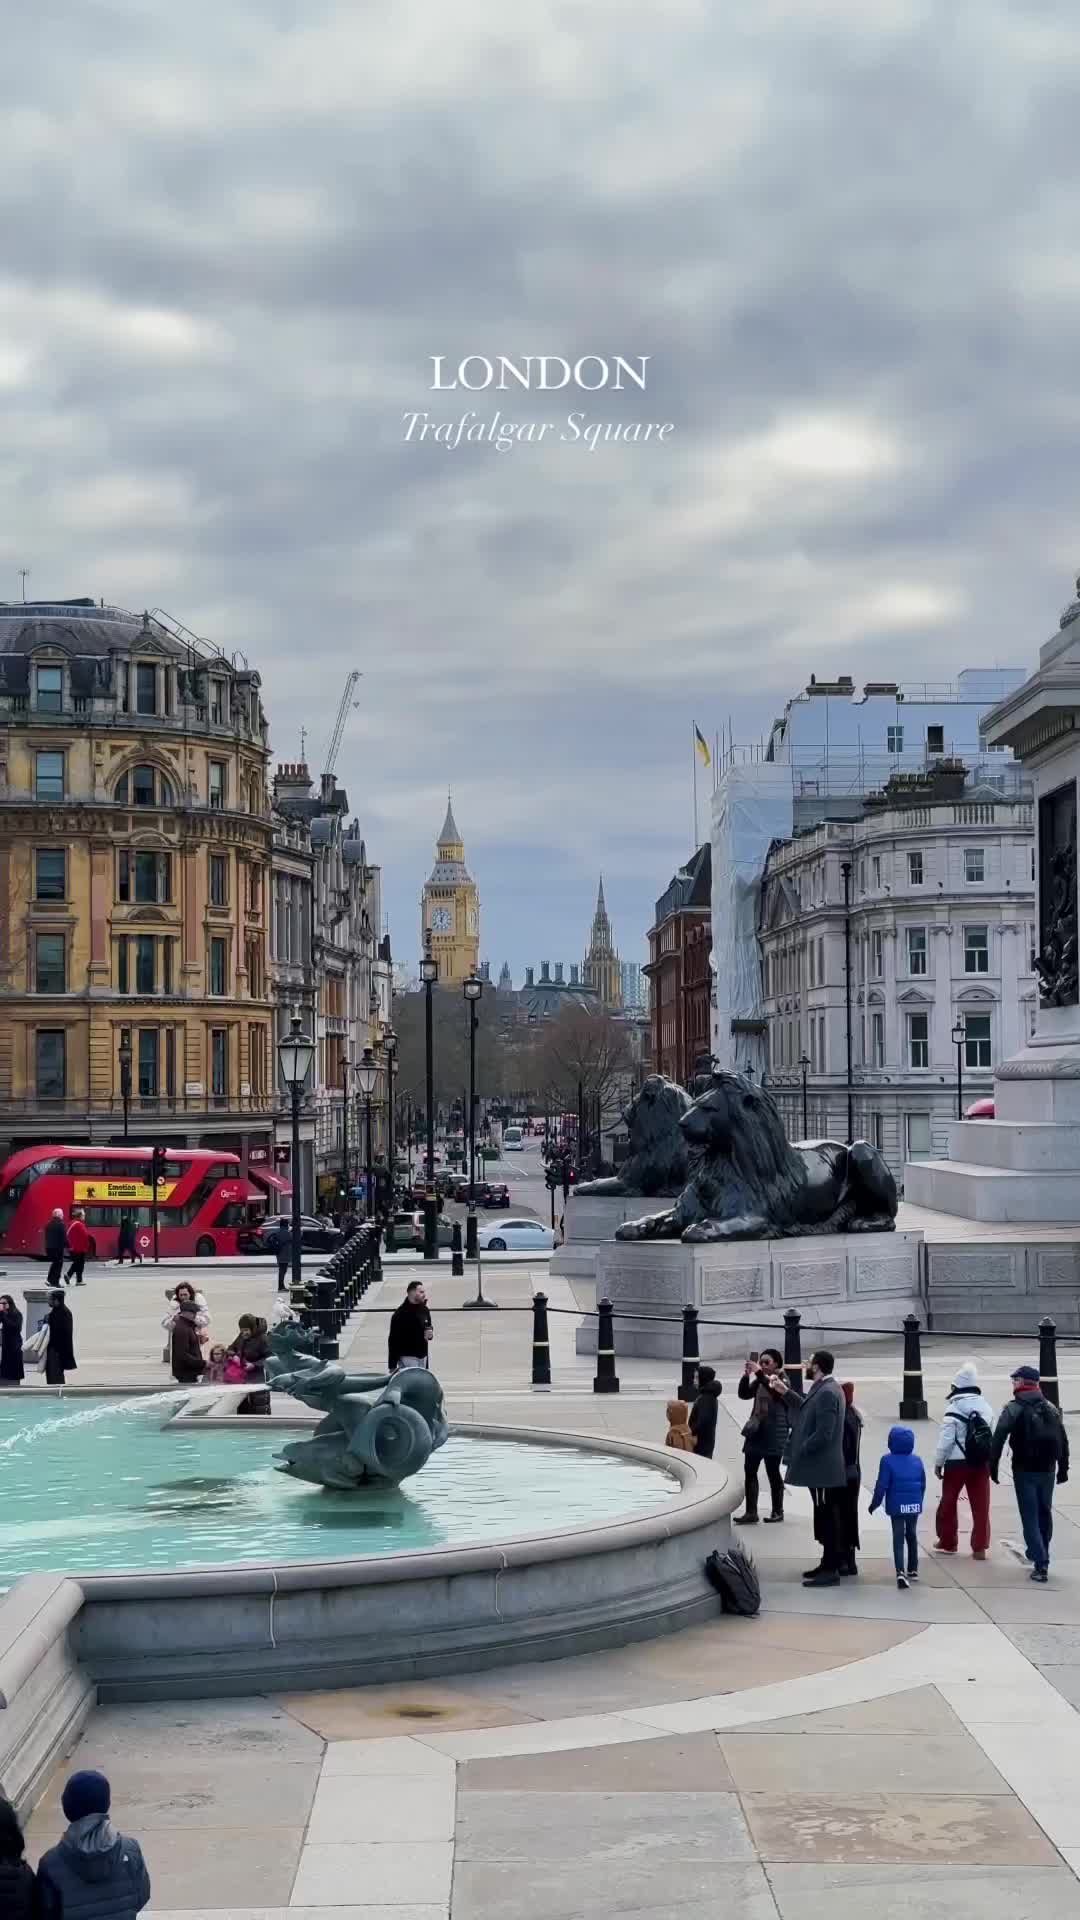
(901, 1489)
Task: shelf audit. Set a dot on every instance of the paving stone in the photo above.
(196, 1731)
(919, 1710)
(215, 1796)
(656, 1888)
(687, 1762)
(955, 1829)
(235, 1869)
(933, 1893)
(1047, 1645)
(370, 1713)
(418, 1874)
(1066, 1680)
(385, 1810)
(624, 1829)
(844, 1763)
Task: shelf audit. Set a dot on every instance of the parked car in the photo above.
(409, 1231)
(316, 1236)
(460, 1188)
(515, 1236)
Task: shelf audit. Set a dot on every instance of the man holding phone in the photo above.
(816, 1458)
(765, 1435)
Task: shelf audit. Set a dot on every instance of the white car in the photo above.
(515, 1236)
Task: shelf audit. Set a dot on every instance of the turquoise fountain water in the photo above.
(101, 1485)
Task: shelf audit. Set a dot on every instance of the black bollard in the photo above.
(391, 1237)
(606, 1380)
(913, 1406)
(326, 1318)
(541, 1350)
(793, 1365)
(457, 1264)
(1048, 1373)
(472, 1244)
(691, 1353)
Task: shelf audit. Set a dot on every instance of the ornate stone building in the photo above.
(135, 848)
(602, 970)
(450, 908)
(679, 974)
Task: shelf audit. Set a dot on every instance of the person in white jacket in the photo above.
(957, 1471)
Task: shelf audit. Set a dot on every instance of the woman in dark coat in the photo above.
(11, 1360)
(18, 1888)
(253, 1348)
(185, 1350)
(60, 1352)
(852, 1444)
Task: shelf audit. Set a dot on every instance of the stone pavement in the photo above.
(920, 1750)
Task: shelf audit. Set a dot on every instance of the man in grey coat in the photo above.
(816, 1459)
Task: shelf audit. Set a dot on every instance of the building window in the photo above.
(877, 1131)
(219, 1061)
(875, 870)
(217, 784)
(916, 949)
(167, 966)
(877, 1039)
(217, 702)
(915, 869)
(917, 1129)
(895, 741)
(219, 880)
(145, 688)
(974, 865)
(50, 689)
(1033, 866)
(50, 1063)
(219, 967)
(50, 963)
(142, 787)
(50, 874)
(122, 965)
(976, 950)
(257, 1059)
(149, 874)
(48, 776)
(977, 1039)
(919, 1039)
(149, 1081)
(144, 963)
(877, 954)
(935, 739)
(821, 960)
(821, 1044)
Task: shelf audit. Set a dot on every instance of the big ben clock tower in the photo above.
(450, 909)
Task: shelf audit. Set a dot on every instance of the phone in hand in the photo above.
(753, 1358)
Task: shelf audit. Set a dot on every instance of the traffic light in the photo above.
(158, 1157)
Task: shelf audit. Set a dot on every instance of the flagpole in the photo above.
(693, 759)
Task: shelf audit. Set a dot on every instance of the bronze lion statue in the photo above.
(658, 1152)
(747, 1182)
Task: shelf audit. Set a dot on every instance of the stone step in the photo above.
(1016, 1146)
(992, 1193)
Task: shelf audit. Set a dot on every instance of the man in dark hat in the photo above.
(1036, 1435)
(94, 1870)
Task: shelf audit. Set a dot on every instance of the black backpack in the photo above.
(735, 1578)
(1042, 1434)
(978, 1439)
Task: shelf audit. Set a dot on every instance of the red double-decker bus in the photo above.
(204, 1201)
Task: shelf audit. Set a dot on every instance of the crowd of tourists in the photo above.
(50, 1350)
(194, 1359)
(92, 1870)
(812, 1438)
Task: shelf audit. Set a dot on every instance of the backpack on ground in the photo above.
(1042, 1433)
(978, 1441)
(735, 1578)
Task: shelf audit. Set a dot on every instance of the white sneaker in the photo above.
(902, 1580)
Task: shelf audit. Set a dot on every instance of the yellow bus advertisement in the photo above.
(133, 1190)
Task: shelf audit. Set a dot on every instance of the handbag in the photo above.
(35, 1349)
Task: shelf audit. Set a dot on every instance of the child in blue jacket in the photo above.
(901, 1485)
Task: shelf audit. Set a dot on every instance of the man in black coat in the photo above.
(703, 1413)
(55, 1246)
(410, 1330)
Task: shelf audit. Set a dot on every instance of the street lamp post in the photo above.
(959, 1035)
(367, 1075)
(804, 1062)
(345, 1069)
(429, 973)
(390, 1049)
(295, 1055)
(125, 1078)
(472, 989)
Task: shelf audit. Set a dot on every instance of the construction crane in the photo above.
(347, 701)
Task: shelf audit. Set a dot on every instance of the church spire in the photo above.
(449, 837)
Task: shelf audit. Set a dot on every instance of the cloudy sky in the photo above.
(234, 236)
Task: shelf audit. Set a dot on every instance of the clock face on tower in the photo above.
(441, 921)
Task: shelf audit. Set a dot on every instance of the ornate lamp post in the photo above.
(429, 973)
(959, 1035)
(346, 1068)
(804, 1062)
(125, 1078)
(367, 1076)
(472, 988)
(295, 1055)
(390, 1049)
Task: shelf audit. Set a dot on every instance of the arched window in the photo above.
(143, 786)
(255, 795)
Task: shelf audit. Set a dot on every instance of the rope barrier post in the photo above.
(326, 1316)
(691, 1354)
(606, 1380)
(457, 1264)
(793, 1365)
(913, 1406)
(541, 1350)
(1048, 1371)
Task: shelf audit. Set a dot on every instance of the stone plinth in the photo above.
(859, 1280)
(590, 1221)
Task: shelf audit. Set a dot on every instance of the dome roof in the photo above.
(80, 628)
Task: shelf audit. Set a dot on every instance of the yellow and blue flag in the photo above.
(702, 746)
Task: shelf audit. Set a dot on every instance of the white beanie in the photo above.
(967, 1376)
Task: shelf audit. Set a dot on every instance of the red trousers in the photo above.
(977, 1482)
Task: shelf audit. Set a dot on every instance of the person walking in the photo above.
(127, 1246)
(252, 1348)
(56, 1241)
(11, 1356)
(962, 1463)
(705, 1412)
(18, 1883)
(1035, 1432)
(765, 1436)
(60, 1352)
(816, 1458)
(78, 1241)
(94, 1870)
(411, 1330)
(185, 1349)
(901, 1487)
(853, 1431)
(281, 1241)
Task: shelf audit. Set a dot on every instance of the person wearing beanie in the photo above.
(962, 1462)
(94, 1873)
(1036, 1436)
(678, 1433)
